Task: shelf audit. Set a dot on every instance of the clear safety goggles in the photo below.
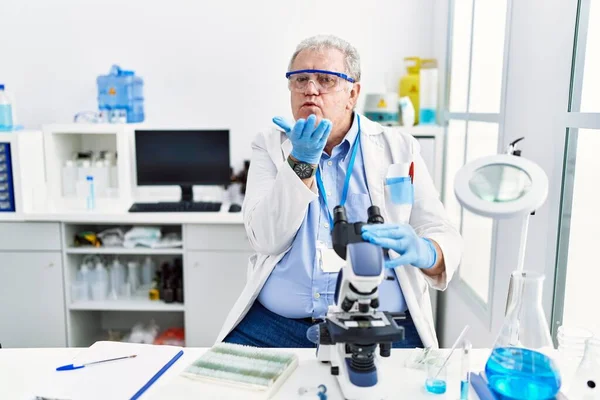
(324, 81)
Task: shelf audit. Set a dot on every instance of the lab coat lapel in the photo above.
(286, 148)
(374, 162)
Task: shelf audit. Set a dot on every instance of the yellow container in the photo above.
(410, 83)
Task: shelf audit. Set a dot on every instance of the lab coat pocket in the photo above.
(399, 194)
(400, 190)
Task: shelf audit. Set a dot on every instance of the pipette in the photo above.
(458, 340)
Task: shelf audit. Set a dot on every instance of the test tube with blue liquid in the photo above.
(436, 373)
(464, 370)
(91, 196)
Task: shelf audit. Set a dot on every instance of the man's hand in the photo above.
(307, 139)
(403, 239)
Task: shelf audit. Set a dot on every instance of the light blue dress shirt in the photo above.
(297, 286)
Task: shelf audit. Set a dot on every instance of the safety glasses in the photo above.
(324, 81)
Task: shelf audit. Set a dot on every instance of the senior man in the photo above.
(298, 173)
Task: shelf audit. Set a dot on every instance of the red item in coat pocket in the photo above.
(411, 172)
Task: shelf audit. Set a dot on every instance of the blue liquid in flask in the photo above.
(435, 386)
(519, 373)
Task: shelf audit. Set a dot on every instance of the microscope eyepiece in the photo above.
(339, 214)
(374, 215)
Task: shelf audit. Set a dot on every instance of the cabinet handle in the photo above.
(196, 264)
(51, 265)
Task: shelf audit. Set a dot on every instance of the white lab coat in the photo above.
(276, 202)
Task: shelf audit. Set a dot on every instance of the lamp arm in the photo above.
(523, 244)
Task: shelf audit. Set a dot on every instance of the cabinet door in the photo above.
(213, 281)
(32, 307)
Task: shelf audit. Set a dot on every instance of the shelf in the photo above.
(121, 250)
(85, 129)
(133, 304)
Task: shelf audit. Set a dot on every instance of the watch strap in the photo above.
(293, 164)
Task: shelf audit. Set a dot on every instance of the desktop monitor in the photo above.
(182, 157)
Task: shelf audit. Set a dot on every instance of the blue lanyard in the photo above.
(346, 181)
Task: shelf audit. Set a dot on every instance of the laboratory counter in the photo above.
(22, 369)
(118, 214)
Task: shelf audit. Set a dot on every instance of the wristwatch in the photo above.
(302, 169)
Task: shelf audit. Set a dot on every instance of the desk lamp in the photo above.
(503, 186)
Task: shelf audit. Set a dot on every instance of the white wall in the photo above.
(581, 288)
(205, 64)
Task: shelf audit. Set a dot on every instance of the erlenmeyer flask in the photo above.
(520, 366)
(586, 382)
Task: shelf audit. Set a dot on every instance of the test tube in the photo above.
(464, 370)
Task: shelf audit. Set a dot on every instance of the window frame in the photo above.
(574, 120)
(481, 308)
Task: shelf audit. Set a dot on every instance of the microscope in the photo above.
(353, 327)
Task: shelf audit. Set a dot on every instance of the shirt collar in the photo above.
(353, 132)
(345, 145)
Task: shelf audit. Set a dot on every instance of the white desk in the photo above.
(19, 369)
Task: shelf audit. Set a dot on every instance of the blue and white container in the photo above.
(7, 193)
(120, 95)
(6, 111)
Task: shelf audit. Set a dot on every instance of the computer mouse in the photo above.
(235, 208)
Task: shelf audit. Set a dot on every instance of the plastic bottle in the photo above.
(69, 179)
(410, 83)
(84, 169)
(429, 92)
(407, 111)
(101, 177)
(100, 285)
(120, 94)
(110, 162)
(147, 272)
(114, 173)
(117, 279)
(84, 278)
(133, 278)
(6, 111)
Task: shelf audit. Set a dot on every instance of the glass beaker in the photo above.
(520, 366)
(586, 382)
(571, 348)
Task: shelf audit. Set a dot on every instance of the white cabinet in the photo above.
(26, 236)
(213, 281)
(32, 308)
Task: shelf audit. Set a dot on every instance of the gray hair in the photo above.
(321, 42)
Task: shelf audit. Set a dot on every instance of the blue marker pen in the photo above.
(464, 371)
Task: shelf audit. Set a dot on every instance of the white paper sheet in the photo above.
(112, 380)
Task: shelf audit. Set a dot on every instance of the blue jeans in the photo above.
(263, 328)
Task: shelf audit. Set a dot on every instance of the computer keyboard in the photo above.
(176, 207)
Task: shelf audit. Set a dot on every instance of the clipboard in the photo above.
(123, 379)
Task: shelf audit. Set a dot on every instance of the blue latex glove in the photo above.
(403, 239)
(307, 139)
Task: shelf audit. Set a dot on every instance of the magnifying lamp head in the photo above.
(501, 186)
